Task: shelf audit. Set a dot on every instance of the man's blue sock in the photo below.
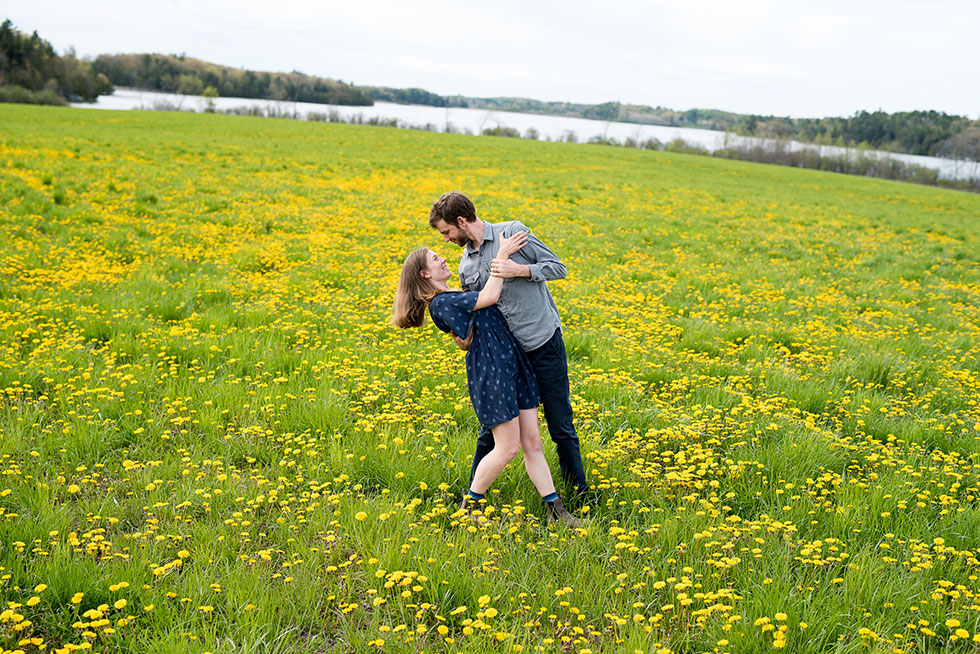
(474, 495)
(550, 497)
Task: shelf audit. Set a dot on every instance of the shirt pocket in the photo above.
(470, 280)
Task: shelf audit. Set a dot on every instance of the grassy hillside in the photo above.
(212, 440)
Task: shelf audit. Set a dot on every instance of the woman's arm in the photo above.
(491, 291)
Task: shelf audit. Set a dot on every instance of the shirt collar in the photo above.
(489, 235)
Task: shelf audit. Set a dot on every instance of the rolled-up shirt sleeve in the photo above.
(544, 264)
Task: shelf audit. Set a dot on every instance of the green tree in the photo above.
(964, 146)
(210, 93)
(31, 71)
(189, 84)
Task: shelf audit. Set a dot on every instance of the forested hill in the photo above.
(185, 75)
(930, 133)
(31, 72)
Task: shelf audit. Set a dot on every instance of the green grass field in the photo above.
(212, 440)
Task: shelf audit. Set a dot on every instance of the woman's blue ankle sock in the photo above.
(474, 495)
(550, 497)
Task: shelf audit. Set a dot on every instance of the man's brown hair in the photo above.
(450, 208)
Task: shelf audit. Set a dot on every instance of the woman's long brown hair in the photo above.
(414, 292)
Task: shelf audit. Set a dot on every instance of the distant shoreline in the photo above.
(932, 171)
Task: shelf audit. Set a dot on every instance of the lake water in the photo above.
(553, 128)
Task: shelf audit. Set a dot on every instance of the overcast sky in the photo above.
(801, 59)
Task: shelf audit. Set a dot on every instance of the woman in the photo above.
(503, 389)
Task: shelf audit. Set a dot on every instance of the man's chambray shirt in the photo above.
(527, 304)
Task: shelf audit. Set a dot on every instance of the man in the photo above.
(530, 313)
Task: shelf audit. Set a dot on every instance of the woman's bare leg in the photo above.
(534, 461)
(506, 445)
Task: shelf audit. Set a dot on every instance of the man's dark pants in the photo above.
(551, 368)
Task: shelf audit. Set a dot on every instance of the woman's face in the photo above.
(436, 269)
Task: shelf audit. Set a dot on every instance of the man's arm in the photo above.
(545, 266)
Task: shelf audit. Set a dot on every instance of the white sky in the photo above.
(818, 58)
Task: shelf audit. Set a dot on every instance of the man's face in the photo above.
(452, 233)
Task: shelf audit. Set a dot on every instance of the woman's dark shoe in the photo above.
(556, 511)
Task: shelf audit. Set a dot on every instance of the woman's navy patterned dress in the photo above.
(500, 377)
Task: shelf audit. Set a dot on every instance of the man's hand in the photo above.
(508, 268)
(464, 343)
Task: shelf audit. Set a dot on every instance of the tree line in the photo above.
(912, 132)
(189, 76)
(405, 96)
(930, 133)
(31, 72)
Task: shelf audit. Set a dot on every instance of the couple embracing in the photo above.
(506, 320)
